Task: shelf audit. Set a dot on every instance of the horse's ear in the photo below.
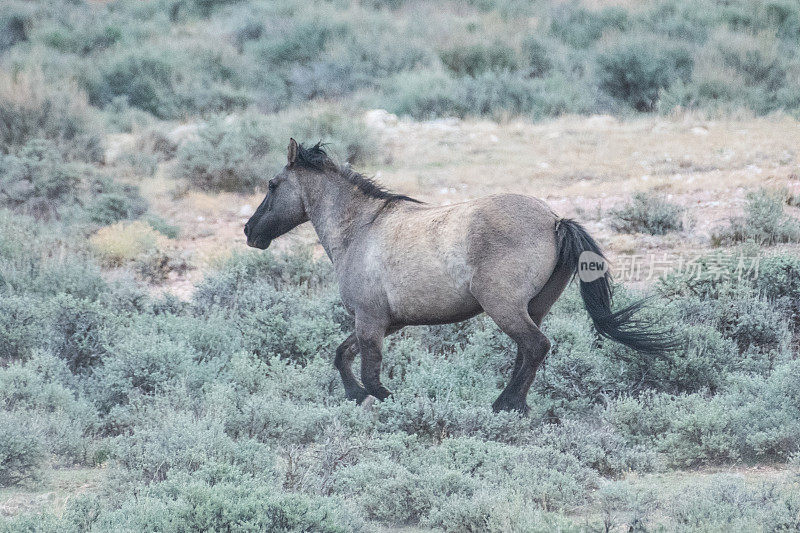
(292, 151)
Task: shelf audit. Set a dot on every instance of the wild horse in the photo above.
(400, 262)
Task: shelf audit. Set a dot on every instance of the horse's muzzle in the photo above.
(261, 244)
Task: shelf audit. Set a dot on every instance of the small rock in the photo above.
(755, 169)
(246, 210)
(183, 133)
(380, 119)
(699, 130)
(369, 403)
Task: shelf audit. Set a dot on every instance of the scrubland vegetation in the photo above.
(175, 58)
(223, 411)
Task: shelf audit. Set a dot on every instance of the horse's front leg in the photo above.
(343, 362)
(370, 334)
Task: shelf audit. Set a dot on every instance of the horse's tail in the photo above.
(621, 326)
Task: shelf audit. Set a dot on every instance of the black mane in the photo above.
(316, 158)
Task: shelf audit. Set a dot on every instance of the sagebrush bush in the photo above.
(204, 505)
(476, 59)
(168, 83)
(77, 332)
(580, 27)
(21, 453)
(425, 95)
(239, 153)
(764, 222)
(31, 109)
(634, 72)
(779, 280)
(228, 156)
(186, 443)
(37, 181)
(140, 362)
(646, 213)
(21, 323)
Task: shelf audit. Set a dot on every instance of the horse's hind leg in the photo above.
(532, 346)
(538, 307)
(343, 362)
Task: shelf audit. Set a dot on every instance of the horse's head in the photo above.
(282, 208)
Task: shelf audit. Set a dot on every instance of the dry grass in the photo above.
(119, 243)
(53, 493)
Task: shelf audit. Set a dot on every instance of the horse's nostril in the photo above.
(247, 230)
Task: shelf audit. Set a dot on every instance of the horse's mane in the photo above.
(316, 158)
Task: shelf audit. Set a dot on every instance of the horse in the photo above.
(401, 262)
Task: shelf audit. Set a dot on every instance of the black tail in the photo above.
(621, 325)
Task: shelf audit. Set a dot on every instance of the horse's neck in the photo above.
(337, 211)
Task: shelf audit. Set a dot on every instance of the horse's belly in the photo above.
(433, 293)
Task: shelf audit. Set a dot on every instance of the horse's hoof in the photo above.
(381, 393)
(520, 407)
(358, 395)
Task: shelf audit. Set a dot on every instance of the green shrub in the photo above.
(143, 79)
(372, 56)
(288, 325)
(228, 157)
(168, 83)
(187, 503)
(537, 54)
(78, 332)
(579, 27)
(764, 222)
(110, 208)
(37, 181)
(113, 202)
(140, 362)
(244, 269)
(20, 327)
(779, 280)
(296, 41)
(171, 231)
(424, 95)
(21, 453)
(634, 72)
(31, 109)
(647, 214)
(751, 323)
(475, 59)
(501, 94)
(39, 392)
(13, 30)
(726, 503)
(181, 442)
